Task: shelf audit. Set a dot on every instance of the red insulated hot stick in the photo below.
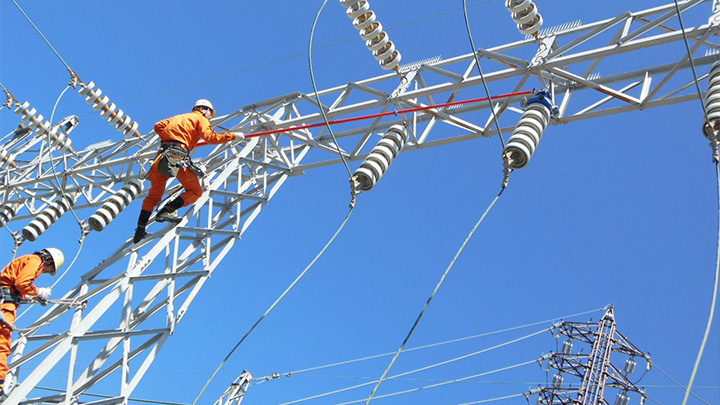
(379, 115)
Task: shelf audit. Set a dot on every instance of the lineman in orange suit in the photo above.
(17, 282)
(179, 135)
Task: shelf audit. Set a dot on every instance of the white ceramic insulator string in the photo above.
(528, 132)
(380, 158)
(371, 30)
(115, 116)
(49, 216)
(115, 204)
(526, 16)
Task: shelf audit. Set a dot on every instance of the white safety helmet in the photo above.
(57, 256)
(205, 103)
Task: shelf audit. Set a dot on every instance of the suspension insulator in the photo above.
(380, 158)
(528, 132)
(6, 158)
(526, 16)
(52, 213)
(712, 102)
(58, 138)
(376, 40)
(7, 213)
(557, 381)
(115, 116)
(115, 204)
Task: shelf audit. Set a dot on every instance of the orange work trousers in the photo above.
(8, 313)
(158, 182)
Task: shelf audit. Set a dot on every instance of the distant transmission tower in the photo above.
(595, 371)
(237, 390)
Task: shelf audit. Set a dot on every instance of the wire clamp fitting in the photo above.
(713, 135)
(354, 190)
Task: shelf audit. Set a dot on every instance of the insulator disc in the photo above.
(391, 62)
(531, 27)
(30, 232)
(372, 31)
(100, 103)
(358, 9)
(118, 115)
(377, 42)
(109, 110)
(712, 97)
(385, 52)
(84, 90)
(365, 178)
(377, 166)
(7, 212)
(517, 5)
(364, 20)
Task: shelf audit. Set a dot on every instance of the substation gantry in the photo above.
(132, 300)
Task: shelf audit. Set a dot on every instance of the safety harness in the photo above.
(172, 157)
(8, 294)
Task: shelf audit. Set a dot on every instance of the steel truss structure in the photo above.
(594, 369)
(591, 70)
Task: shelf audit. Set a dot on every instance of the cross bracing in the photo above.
(592, 70)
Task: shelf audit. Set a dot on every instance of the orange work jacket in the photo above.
(21, 273)
(189, 129)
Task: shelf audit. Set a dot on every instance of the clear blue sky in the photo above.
(620, 210)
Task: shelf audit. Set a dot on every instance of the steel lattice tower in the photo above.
(150, 286)
(595, 369)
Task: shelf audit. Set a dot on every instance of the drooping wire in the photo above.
(41, 35)
(287, 290)
(480, 72)
(717, 174)
(427, 304)
(315, 90)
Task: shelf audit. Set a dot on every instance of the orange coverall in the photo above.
(19, 275)
(187, 129)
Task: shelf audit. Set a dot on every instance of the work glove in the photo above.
(239, 136)
(44, 293)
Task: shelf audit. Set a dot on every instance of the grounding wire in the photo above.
(273, 305)
(482, 76)
(41, 35)
(399, 375)
(428, 346)
(663, 372)
(437, 287)
(717, 174)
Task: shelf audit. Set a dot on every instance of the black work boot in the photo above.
(167, 213)
(142, 223)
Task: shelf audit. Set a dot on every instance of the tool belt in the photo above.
(8, 294)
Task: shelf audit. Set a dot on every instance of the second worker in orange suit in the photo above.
(17, 281)
(179, 135)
